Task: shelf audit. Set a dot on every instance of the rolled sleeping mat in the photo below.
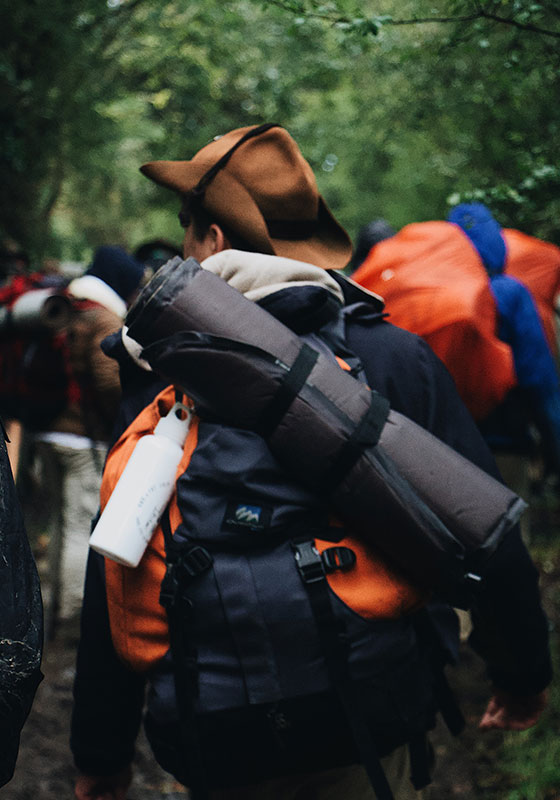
(432, 512)
(37, 310)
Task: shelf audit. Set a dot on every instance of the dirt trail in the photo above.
(45, 771)
(465, 767)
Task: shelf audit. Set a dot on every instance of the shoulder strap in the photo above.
(335, 651)
(184, 563)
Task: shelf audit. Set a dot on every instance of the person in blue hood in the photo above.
(536, 399)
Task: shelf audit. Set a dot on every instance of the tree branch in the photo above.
(523, 26)
(480, 13)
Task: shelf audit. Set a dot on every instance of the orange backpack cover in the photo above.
(536, 264)
(435, 285)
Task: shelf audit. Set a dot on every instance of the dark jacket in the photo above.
(21, 621)
(510, 628)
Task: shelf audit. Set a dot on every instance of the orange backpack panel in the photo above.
(536, 264)
(372, 588)
(435, 285)
(138, 621)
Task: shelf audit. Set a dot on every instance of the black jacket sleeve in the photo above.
(108, 697)
(510, 629)
(21, 621)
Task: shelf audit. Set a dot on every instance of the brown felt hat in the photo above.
(256, 181)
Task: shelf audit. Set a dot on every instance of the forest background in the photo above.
(401, 107)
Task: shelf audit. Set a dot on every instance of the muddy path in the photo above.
(467, 767)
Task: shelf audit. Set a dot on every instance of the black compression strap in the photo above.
(290, 387)
(335, 650)
(419, 751)
(365, 434)
(428, 633)
(185, 673)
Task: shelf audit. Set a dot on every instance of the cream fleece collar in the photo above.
(257, 275)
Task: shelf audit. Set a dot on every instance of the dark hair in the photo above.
(193, 213)
(156, 249)
(370, 235)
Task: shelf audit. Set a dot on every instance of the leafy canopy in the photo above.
(401, 107)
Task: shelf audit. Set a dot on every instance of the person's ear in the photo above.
(218, 239)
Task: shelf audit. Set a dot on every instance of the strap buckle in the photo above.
(335, 558)
(309, 561)
(194, 561)
(181, 570)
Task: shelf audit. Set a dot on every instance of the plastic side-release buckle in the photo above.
(195, 561)
(463, 590)
(338, 558)
(186, 566)
(309, 561)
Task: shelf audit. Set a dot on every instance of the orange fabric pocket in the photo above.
(371, 587)
(138, 622)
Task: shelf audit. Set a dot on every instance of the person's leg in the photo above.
(82, 479)
(49, 519)
(346, 783)
(354, 784)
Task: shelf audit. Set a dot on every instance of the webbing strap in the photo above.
(365, 434)
(447, 703)
(165, 523)
(186, 683)
(418, 749)
(335, 650)
(289, 388)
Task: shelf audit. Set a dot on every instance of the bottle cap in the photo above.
(175, 425)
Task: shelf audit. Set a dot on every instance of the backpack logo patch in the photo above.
(247, 515)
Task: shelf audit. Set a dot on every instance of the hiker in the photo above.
(21, 621)
(534, 403)
(239, 701)
(72, 449)
(483, 299)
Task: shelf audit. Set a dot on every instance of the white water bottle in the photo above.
(143, 491)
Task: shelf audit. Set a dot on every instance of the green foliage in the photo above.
(521, 206)
(531, 759)
(395, 114)
(48, 109)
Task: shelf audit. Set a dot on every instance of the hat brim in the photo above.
(328, 246)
